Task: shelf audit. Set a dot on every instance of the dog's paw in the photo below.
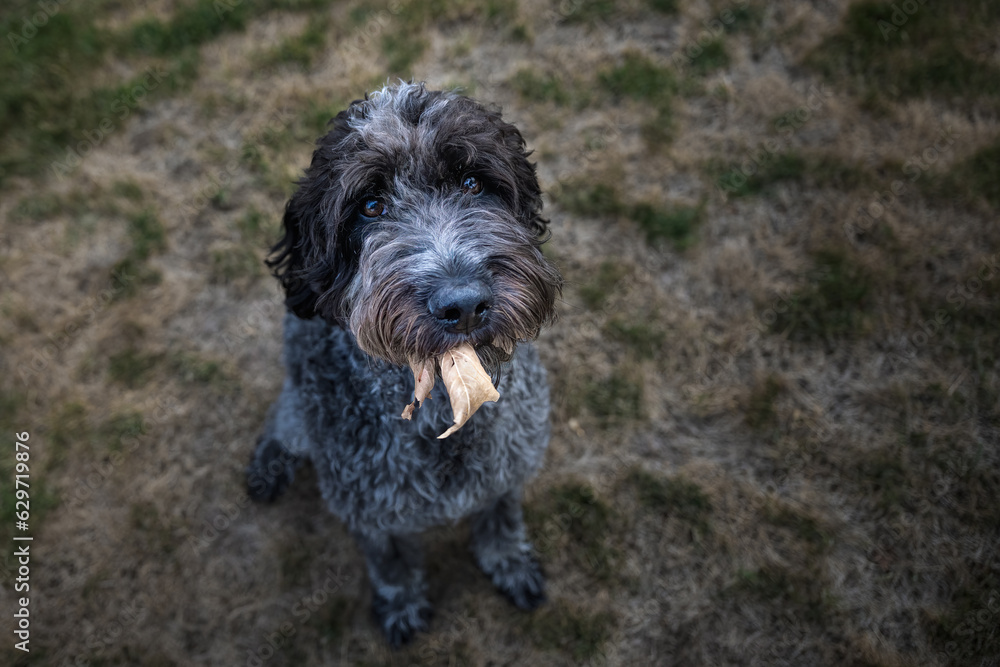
(270, 472)
(401, 618)
(520, 578)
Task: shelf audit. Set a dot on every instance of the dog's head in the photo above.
(418, 226)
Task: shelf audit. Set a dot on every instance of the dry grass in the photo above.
(776, 422)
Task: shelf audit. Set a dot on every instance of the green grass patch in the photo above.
(501, 11)
(577, 632)
(642, 337)
(595, 293)
(73, 434)
(639, 78)
(713, 56)
(148, 238)
(885, 473)
(663, 6)
(590, 12)
(118, 427)
(834, 303)
(571, 517)
(57, 123)
(235, 264)
(332, 621)
(301, 49)
(40, 499)
(673, 496)
(37, 207)
(760, 413)
(132, 367)
(590, 199)
(767, 169)
(803, 526)
(677, 224)
(147, 525)
(883, 53)
(616, 399)
(401, 50)
(193, 369)
(803, 590)
(51, 112)
(978, 176)
(190, 25)
(128, 190)
(741, 19)
(147, 233)
(535, 87)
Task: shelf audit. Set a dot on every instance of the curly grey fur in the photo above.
(358, 290)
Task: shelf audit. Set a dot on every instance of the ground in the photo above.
(776, 419)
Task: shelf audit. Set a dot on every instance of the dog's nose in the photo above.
(461, 308)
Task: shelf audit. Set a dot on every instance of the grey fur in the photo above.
(358, 290)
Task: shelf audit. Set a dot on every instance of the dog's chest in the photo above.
(377, 468)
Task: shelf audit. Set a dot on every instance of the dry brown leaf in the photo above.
(423, 382)
(467, 383)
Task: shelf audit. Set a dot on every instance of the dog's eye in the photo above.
(373, 208)
(471, 185)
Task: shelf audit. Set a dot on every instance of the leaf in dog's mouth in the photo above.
(468, 384)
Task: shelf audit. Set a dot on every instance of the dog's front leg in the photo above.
(395, 569)
(503, 553)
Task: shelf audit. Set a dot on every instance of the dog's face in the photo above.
(418, 226)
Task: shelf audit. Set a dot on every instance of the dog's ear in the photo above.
(313, 259)
(289, 264)
(529, 192)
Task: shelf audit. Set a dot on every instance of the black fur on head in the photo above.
(412, 151)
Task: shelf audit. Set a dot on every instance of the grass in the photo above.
(640, 79)
(151, 528)
(760, 413)
(401, 50)
(675, 224)
(935, 52)
(594, 200)
(790, 589)
(578, 632)
(596, 292)
(590, 12)
(663, 6)
(41, 500)
(51, 108)
(234, 264)
(300, 50)
(768, 169)
(616, 399)
(713, 56)
(673, 497)
(742, 19)
(132, 367)
(642, 337)
(540, 87)
(975, 179)
(571, 518)
(907, 444)
(148, 237)
(804, 527)
(832, 304)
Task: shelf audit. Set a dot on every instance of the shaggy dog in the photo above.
(415, 229)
